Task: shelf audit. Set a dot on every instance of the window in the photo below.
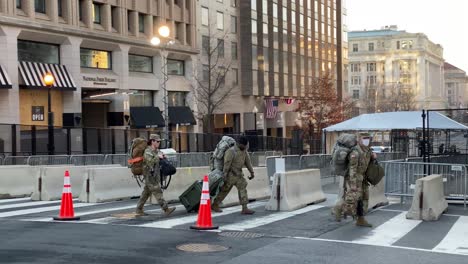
(275, 10)
(371, 46)
(40, 6)
(176, 98)
(233, 24)
(371, 67)
(254, 26)
(372, 79)
(285, 14)
(234, 50)
(138, 63)
(18, 4)
(59, 7)
(97, 13)
(114, 14)
(220, 20)
(38, 52)
(355, 80)
(80, 9)
(355, 67)
(222, 75)
(407, 44)
(204, 16)
(253, 4)
(206, 73)
(355, 94)
(220, 48)
(205, 45)
(234, 3)
(355, 48)
(265, 7)
(140, 98)
(235, 76)
(175, 67)
(141, 23)
(99, 59)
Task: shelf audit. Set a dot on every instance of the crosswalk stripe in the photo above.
(457, 236)
(264, 220)
(192, 218)
(389, 232)
(40, 210)
(36, 203)
(15, 200)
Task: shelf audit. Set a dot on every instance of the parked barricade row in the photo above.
(17, 181)
(295, 189)
(429, 200)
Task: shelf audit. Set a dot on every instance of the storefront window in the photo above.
(141, 98)
(175, 67)
(176, 98)
(38, 52)
(95, 59)
(138, 63)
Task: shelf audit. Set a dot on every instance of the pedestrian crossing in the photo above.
(314, 222)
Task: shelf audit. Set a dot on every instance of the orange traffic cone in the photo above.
(204, 211)
(66, 208)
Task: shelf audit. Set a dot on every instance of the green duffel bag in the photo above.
(375, 172)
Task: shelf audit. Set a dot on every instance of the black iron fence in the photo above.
(21, 140)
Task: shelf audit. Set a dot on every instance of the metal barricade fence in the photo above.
(48, 160)
(16, 160)
(400, 178)
(121, 159)
(199, 159)
(318, 161)
(91, 159)
(292, 162)
(1, 160)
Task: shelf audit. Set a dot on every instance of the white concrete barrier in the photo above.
(48, 184)
(428, 201)
(181, 181)
(295, 189)
(377, 196)
(108, 184)
(17, 180)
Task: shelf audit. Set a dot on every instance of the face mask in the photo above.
(365, 141)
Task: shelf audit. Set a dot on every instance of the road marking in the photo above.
(36, 203)
(400, 211)
(40, 210)
(264, 220)
(192, 218)
(456, 240)
(389, 232)
(15, 200)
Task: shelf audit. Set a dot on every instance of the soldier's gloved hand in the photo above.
(252, 175)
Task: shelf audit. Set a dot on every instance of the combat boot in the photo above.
(361, 221)
(169, 211)
(246, 210)
(337, 211)
(140, 212)
(215, 208)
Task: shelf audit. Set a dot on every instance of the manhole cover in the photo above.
(201, 248)
(241, 234)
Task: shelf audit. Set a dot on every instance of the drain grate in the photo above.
(241, 234)
(201, 248)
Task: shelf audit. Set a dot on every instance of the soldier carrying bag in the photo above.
(374, 172)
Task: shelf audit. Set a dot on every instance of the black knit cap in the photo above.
(243, 140)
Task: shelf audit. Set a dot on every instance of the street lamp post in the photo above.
(255, 111)
(49, 82)
(164, 33)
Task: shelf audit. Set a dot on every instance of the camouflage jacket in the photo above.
(359, 159)
(234, 161)
(151, 161)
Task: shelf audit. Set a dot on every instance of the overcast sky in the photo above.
(444, 22)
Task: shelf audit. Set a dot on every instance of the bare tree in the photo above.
(379, 98)
(211, 91)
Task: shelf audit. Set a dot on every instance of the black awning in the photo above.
(4, 79)
(146, 117)
(181, 115)
(33, 73)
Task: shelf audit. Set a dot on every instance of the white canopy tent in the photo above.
(388, 121)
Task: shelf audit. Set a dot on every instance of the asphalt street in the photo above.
(107, 233)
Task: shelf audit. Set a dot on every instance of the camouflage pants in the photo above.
(152, 187)
(241, 185)
(356, 190)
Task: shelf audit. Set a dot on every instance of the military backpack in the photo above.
(135, 155)
(340, 152)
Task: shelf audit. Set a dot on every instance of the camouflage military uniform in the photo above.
(356, 187)
(152, 184)
(234, 161)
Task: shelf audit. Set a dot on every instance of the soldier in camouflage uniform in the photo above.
(152, 177)
(234, 159)
(356, 189)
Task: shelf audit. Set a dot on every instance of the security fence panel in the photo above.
(48, 160)
(199, 159)
(16, 160)
(121, 159)
(292, 162)
(90, 159)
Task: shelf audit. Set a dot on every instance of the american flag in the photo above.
(271, 108)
